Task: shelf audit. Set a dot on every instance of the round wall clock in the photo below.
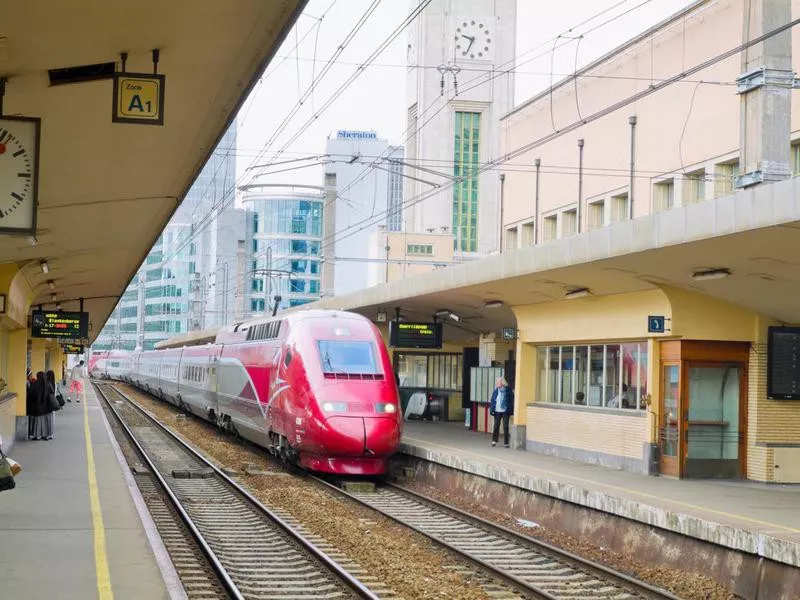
(19, 174)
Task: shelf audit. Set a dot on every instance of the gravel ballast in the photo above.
(407, 562)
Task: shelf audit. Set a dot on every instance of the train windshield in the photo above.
(347, 357)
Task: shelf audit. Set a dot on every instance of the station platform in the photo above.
(75, 526)
(761, 519)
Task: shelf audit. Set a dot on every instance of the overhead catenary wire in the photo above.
(588, 119)
(503, 70)
(223, 204)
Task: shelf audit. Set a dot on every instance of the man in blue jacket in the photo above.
(501, 407)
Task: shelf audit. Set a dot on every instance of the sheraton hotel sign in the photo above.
(359, 135)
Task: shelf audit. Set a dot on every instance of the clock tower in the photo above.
(458, 88)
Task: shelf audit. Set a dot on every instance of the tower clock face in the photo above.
(474, 38)
(19, 158)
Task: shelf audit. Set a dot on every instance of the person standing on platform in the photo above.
(501, 407)
(76, 385)
(43, 423)
(31, 392)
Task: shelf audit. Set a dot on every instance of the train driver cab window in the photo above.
(287, 359)
(348, 357)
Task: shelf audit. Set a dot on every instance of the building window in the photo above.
(528, 234)
(601, 375)
(619, 208)
(466, 161)
(664, 195)
(569, 222)
(724, 176)
(435, 371)
(695, 186)
(419, 249)
(192, 269)
(512, 238)
(795, 159)
(550, 228)
(597, 214)
(258, 285)
(257, 305)
(255, 245)
(255, 222)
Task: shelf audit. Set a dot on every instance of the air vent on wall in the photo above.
(81, 73)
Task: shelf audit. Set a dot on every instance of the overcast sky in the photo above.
(377, 99)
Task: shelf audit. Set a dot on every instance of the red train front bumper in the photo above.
(344, 465)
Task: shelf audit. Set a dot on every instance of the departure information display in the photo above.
(783, 363)
(59, 324)
(72, 348)
(415, 335)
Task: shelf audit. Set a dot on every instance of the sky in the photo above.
(284, 120)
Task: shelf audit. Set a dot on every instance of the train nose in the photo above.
(382, 435)
(362, 436)
(345, 435)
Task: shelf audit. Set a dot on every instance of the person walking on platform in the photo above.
(501, 407)
(76, 385)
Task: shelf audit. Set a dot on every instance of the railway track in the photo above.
(529, 565)
(254, 553)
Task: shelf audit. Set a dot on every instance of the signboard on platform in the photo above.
(59, 324)
(138, 99)
(72, 348)
(783, 363)
(415, 335)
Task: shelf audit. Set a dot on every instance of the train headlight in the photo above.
(334, 407)
(385, 408)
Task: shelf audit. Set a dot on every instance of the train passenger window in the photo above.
(348, 357)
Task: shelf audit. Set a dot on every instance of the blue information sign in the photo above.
(656, 324)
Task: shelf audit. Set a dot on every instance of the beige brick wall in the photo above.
(594, 431)
(769, 421)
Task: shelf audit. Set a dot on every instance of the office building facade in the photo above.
(368, 180)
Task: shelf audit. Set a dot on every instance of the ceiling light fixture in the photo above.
(493, 304)
(51, 283)
(707, 274)
(455, 317)
(58, 307)
(45, 267)
(578, 293)
(31, 239)
(53, 297)
(441, 313)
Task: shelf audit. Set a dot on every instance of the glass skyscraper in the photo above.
(283, 244)
(188, 280)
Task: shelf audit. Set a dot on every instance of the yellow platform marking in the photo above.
(618, 488)
(100, 557)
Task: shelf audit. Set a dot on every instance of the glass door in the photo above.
(670, 430)
(714, 436)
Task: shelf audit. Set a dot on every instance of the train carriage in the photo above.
(314, 387)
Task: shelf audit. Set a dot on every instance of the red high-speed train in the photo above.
(314, 387)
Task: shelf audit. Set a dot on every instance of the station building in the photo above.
(642, 264)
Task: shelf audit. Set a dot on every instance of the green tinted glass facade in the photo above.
(466, 152)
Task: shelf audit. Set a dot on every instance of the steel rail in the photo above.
(577, 562)
(346, 578)
(545, 547)
(512, 580)
(220, 570)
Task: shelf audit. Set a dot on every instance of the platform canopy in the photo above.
(107, 189)
(741, 248)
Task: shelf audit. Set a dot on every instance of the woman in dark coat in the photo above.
(43, 423)
(31, 392)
